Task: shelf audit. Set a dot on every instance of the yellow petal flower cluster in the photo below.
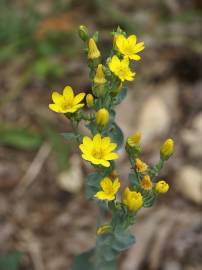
(99, 76)
(134, 139)
(93, 51)
(121, 68)
(167, 148)
(161, 186)
(132, 199)
(146, 183)
(67, 102)
(109, 189)
(102, 117)
(140, 166)
(98, 150)
(129, 46)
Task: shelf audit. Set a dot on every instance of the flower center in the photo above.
(121, 72)
(66, 106)
(97, 153)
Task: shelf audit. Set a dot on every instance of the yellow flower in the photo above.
(102, 117)
(109, 189)
(121, 68)
(134, 139)
(140, 166)
(161, 186)
(132, 199)
(167, 148)
(129, 46)
(104, 229)
(98, 150)
(90, 100)
(93, 51)
(67, 102)
(99, 76)
(146, 183)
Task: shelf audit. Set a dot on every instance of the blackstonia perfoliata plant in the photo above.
(100, 149)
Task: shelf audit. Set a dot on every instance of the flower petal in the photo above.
(68, 93)
(104, 163)
(116, 185)
(114, 64)
(121, 42)
(97, 139)
(132, 40)
(57, 98)
(106, 184)
(78, 98)
(54, 107)
(103, 196)
(111, 156)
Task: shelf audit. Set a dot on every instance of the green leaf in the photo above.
(92, 126)
(94, 179)
(70, 136)
(134, 182)
(121, 95)
(116, 135)
(149, 198)
(123, 241)
(11, 261)
(84, 260)
(20, 138)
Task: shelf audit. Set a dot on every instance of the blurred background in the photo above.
(44, 217)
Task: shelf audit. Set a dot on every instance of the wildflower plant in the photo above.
(101, 149)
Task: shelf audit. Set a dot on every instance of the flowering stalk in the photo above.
(101, 149)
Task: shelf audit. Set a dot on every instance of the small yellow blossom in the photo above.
(134, 139)
(93, 51)
(102, 117)
(146, 183)
(98, 150)
(104, 229)
(90, 100)
(67, 102)
(167, 148)
(161, 186)
(140, 166)
(121, 68)
(99, 76)
(109, 189)
(132, 199)
(129, 46)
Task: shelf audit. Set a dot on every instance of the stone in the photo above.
(188, 182)
(71, 180)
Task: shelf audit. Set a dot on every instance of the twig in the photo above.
(34, 168)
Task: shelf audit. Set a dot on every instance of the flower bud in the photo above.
(93, 51)
(132, 199)
(113, 174)
(134, 139)
(104, 229)
(167, 149)
(99, 76)
(102, 117)
(146, 183)
(90, 100)
(140, 166)
(83, 32)
(161, 186)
